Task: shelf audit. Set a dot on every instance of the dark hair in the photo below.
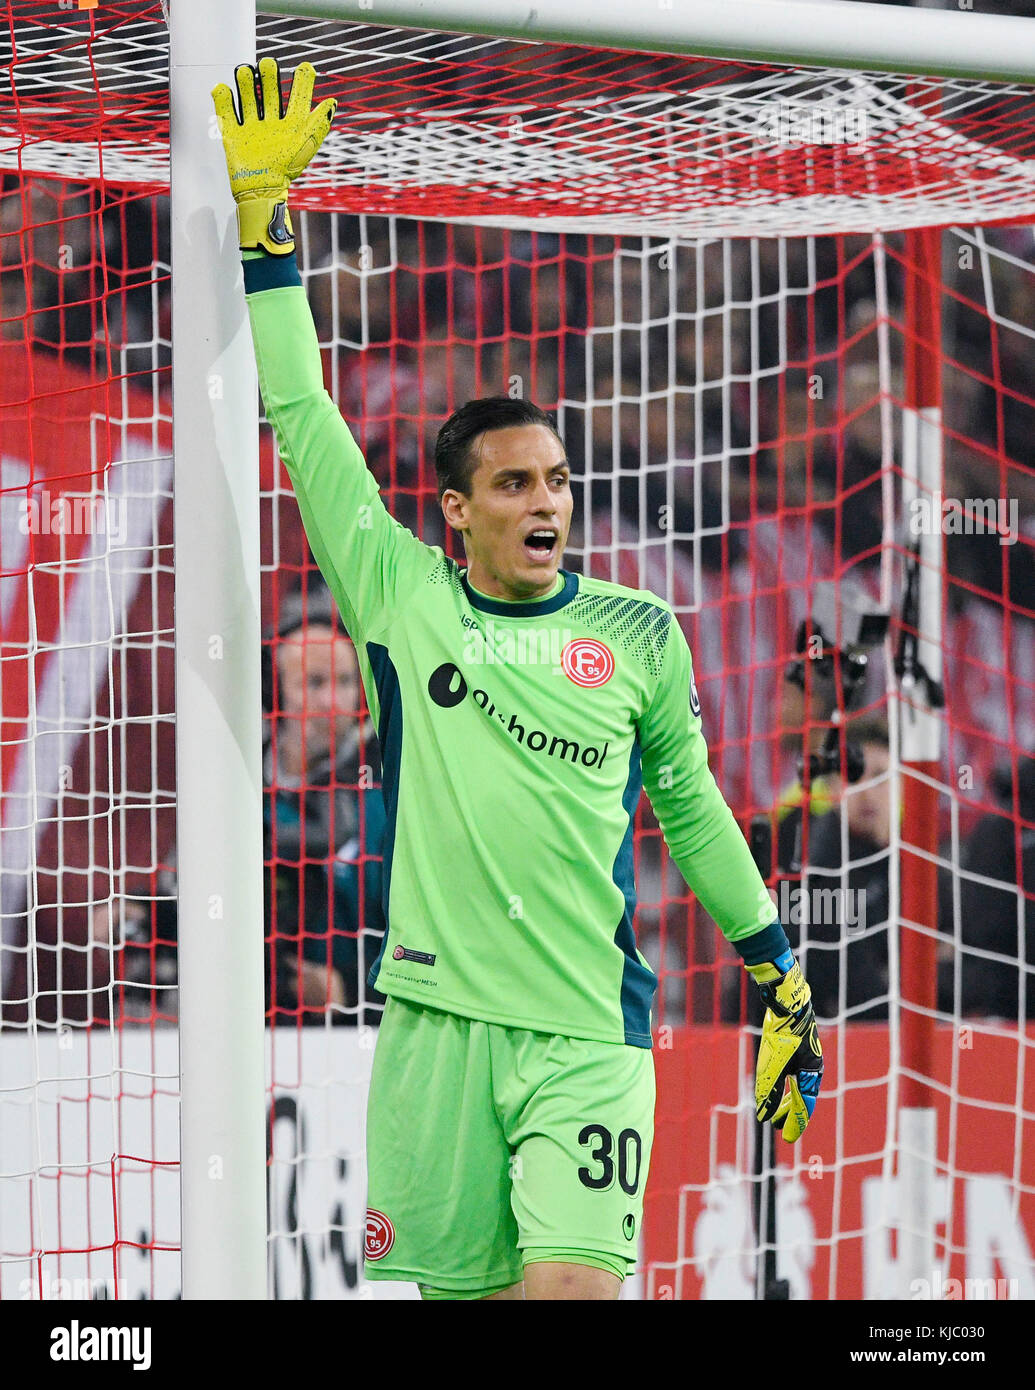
(1002, 785)
(310, 606)
(868, 728)
(454, 464)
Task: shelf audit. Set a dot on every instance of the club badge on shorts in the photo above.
(380, 1235)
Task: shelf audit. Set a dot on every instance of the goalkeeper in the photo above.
(520, 707)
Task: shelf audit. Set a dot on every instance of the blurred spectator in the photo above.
(323, 823)
(143, 931)
(993, 963)
(843, 900)
(323, 818)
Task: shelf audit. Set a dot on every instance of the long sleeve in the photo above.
(371, 563)
(700, 831)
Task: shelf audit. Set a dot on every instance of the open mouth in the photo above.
(541, 545)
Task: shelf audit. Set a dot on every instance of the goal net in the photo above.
(722, 278)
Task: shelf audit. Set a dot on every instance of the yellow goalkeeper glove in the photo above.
(266, 147)
(789, 1054)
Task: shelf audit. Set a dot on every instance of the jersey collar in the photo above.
(535, 609)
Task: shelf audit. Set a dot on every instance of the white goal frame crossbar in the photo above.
(834, 33)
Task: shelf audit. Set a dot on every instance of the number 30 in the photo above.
(630, 1148)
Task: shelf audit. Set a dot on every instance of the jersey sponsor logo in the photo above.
(380, 1235)
(695, 703)
(421, 957)
(587, 662)
(448, 688)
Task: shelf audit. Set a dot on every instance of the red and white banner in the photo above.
(838, 1194)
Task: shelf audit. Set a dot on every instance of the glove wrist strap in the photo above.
(782, 986)
(770, 971)
(265, 222)
(764, 973)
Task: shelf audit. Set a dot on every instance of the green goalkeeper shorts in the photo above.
(490, 1147)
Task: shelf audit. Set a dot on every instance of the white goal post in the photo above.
(218, 734)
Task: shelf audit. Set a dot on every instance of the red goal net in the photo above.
(709, 271)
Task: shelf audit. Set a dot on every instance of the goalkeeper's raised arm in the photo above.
(369, 561)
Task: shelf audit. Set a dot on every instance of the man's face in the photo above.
(792, 714)
(516, 521)
(319, 685)
(868, 803)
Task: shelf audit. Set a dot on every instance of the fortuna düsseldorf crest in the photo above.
(587, 662)
(380, 1235)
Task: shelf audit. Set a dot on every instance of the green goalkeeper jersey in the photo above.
(515, 738)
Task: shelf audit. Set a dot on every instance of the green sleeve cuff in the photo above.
(264, 272)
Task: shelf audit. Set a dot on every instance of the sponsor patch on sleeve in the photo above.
(695, 703)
